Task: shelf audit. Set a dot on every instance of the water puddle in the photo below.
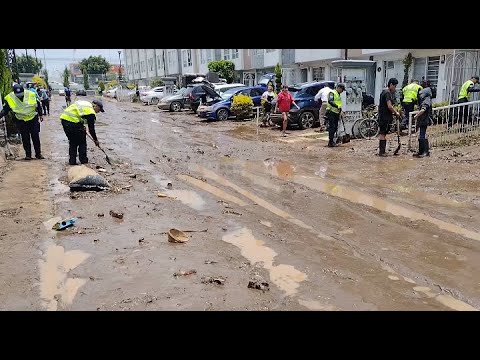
(378, 203)
(189, 198)
(212, 189)
(55, 287)
(279, 168)
(447, 300)
(286, 277)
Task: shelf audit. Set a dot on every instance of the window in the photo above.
(202, 56)
(270, 50)
(209, 55)
(255, 92)
(226, 54)
(313, 90)
(432, 70)
(234, 53)
(319, 74)
(189, 57)
(257, 51)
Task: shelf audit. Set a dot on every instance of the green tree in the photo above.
(278, 77)
(407, 63)
(85, 80)
(224, 68)
(156, 83)
(39, 81)
(28, 64)
(95, 65)
(6, 88)
(66, 77)
(45, 76)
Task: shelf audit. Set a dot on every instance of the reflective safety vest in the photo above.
(410, 92)
(74, 112)
(463, 91)
(337, 100)
(24, 110)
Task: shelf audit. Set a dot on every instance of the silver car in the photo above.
(173, 103)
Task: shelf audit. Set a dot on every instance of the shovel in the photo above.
(345, 138)
(398, 137)
(106, 156)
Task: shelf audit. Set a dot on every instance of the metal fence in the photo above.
(450, 124)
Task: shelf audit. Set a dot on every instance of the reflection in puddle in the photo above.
(189, 198)
(286, 277)
(378, 203)
(55, 287)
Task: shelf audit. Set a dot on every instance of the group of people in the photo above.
(26, 106)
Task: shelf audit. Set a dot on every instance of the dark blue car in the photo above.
(221, 110)
(304, 96)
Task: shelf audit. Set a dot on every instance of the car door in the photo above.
(310, 98)
(256, 95)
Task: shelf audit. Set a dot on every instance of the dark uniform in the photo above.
(26, 108)
(422, 121)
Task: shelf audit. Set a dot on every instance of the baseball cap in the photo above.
(342, 86)
(476, 77)
(18, 89)
(99, 103)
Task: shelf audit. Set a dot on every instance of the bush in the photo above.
(39, 81)
(155, 83)
(242, 106)
(439, 104)
(224, 68)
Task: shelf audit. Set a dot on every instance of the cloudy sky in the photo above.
(56, 59)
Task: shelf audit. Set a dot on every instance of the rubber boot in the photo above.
(382, 145)
(426, 149)
(420, 148)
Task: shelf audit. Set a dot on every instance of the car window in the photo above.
(313, 90)
(256, 92)
(159, 90)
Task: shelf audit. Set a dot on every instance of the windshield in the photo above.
(228, 93)
(293, 91)
(182, 91)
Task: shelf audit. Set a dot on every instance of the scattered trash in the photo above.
(100, 215)
(82, 178)
(172, 258)
(126, 187)
(213, 280)
(231, 212)
(161, 195)
(141, 241)
(81, 232)
(224, 229)
(133, 176)
(96, 240)
(200, 152)
(144, 181)
(210, 262)
(153, 162)
(259, 285)
(169, 185)
(92, 278)
(184, 273)
(177, 236)
(115, 214)
(102, 170)
(62, 225)
(227, 155)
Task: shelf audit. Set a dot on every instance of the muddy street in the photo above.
(273, 223)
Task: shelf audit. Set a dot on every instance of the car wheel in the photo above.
(175, 106)
(154, 101)
(222, 114)
(306, 120)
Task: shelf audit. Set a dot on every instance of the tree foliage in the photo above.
(45, 76)
(95, 65)
(155, 83)
(28, 64)
(224, 68)
(407, 63)
(278, 77)
(6, 88)
(85, 80)
(39, 81)
(66, 77)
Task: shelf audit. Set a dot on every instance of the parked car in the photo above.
(61, 92)
(152, 97)
(265, 79)
(221, 88)
(304, 96)
(221, 110)
(197, 93)
(81, 92)
(174, 102)
(112, 93)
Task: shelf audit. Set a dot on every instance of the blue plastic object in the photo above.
(62, 225)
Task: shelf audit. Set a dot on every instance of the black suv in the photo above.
(199, 92)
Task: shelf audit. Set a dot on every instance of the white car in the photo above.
(221, 88)
(61, 92)
(112, 93)
(152, 97)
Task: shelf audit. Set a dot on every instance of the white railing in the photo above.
(450, 124)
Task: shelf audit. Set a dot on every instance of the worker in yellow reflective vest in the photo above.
(410, 98)
(334, 111)
(27, 110)
(73, 119)
(464, 96)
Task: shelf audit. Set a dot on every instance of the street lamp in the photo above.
(120, 67)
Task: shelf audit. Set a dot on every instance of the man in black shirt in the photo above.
(386, 112)
(422, 120)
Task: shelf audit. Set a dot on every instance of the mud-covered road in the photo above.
(313, 228)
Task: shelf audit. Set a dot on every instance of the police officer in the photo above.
(334, 111)
(28, 115)
(464, 95)
(422, 120)
(410, 98)
(73, 119)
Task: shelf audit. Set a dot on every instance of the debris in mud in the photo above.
(227, 155)
(101, 215)
(162, 195)
(184, 273)
(177, 236)
(210, 262)
(173, 258)
(141, 241)
(200, 151)
(231, 212)
(169, 185)
(259, 284)
(153, 162)
(96, 241)
(115, 214)
(224, 203)
(144, 181)
(127, 187)
(62, 225)
(213, 280)
(224, 229)
(133, 176)
(82, 178)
